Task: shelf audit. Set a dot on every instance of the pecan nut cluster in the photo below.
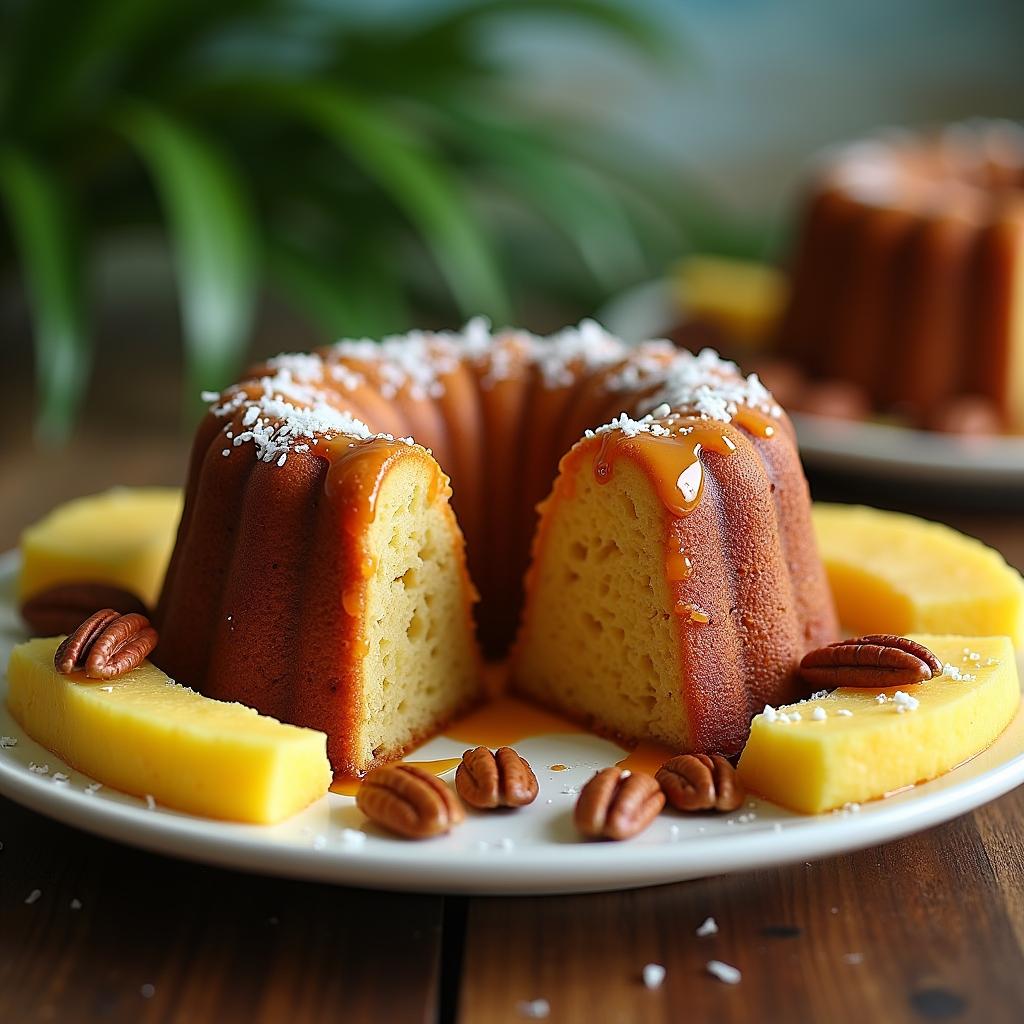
(700, 782)
(409, 801)
(487, 780)
(106, 645)
(618, 804)
(876, 660)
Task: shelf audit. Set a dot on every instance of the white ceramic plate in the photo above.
(534, 850)
(878, 450)
(881, 450)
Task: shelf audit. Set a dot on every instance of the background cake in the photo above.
(907, 276)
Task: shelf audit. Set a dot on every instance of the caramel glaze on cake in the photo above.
(908, 272)
(267, 595)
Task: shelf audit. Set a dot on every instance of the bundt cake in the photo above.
(907, 278)
(319, 572)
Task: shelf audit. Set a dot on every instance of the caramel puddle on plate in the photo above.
(348, 785)
(501, 722)
(505, 721)
(646, 757)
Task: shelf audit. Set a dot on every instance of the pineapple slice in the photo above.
(123, 537)
(865, 743)
(894, 573)
(144, 734)
(744, 298)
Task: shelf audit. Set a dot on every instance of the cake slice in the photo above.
(672, 586)
(341, 594)
(599, 641)
(421, 666)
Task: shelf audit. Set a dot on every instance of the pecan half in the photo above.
(60, 609)
(409, 801)
(876, 660)
(106, 645)
(502, 779)
(617, 804)
(700, 782)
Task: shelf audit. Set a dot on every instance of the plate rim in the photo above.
(554, 868)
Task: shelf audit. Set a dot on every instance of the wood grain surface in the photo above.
(925, 929)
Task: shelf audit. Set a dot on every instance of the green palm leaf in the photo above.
(357, 299)
(44, 232)
(571, 197)
(416, 180)
(214, 239)
(621, 21)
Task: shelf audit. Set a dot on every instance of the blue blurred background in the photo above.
(186, 186)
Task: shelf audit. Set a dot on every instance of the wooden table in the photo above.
(928, 928)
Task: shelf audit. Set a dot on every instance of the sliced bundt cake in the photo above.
(319, 575)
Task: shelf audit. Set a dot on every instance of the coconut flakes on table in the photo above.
(724, 972)
(653, 975)
(534, 1009)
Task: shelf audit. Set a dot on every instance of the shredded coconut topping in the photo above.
(957, 674)
(305, 367)
(631, 427)
(711, 387)
(904, 702)
(301, 398)
(285, 414)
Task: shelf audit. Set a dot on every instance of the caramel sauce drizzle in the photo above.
(358, 468)
(505, 721)
(677, 472)
(754, 422)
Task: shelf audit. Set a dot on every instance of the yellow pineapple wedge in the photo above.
(146, 735)
(894, 573)
(865, 743)
(122, 537)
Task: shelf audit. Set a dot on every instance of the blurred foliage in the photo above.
(370, 170)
